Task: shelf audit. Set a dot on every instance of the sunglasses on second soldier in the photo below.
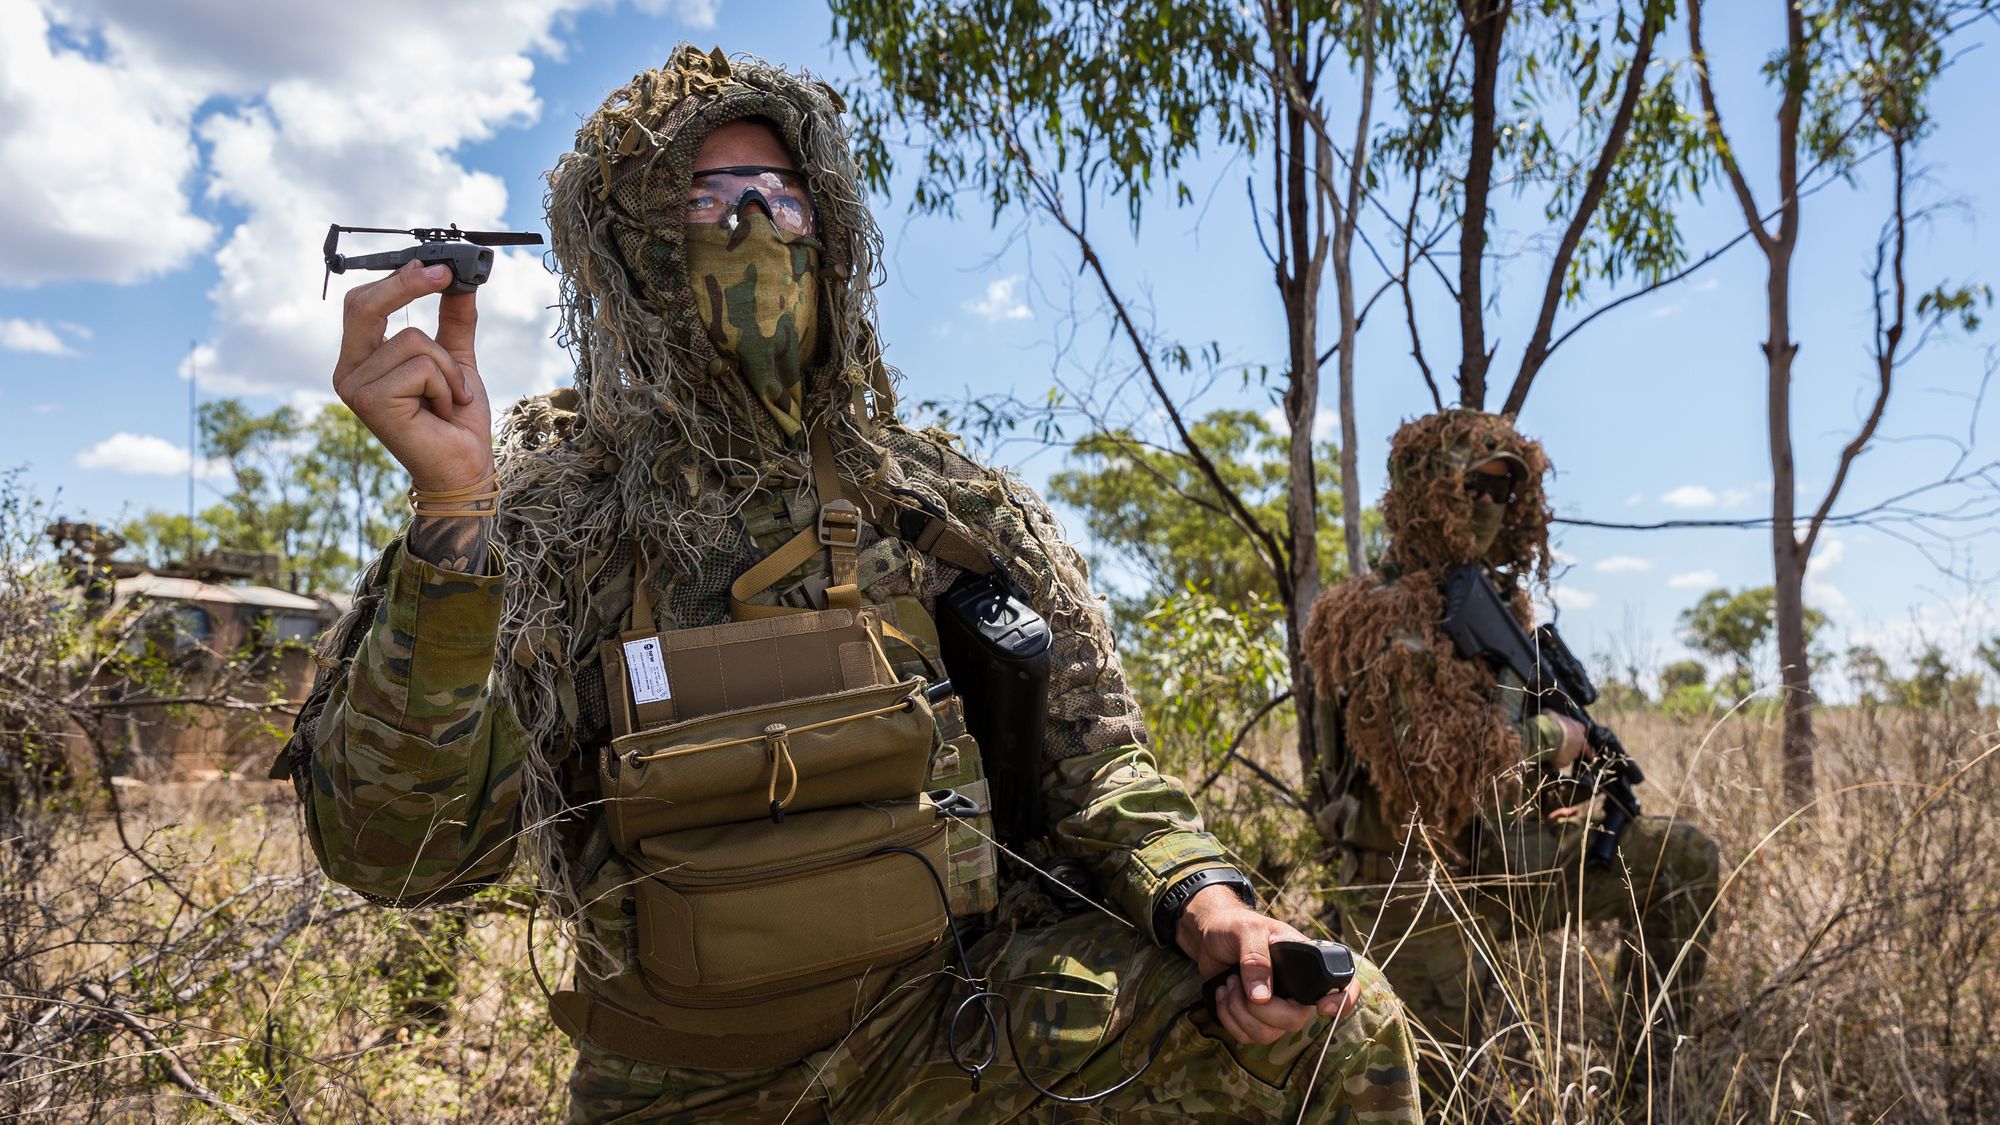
(718, 195)
(1495, 488)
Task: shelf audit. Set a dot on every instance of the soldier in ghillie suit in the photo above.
(730, 451)
(1429, 792)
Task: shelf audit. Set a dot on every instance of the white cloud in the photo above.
(371, 147)
(1634, 500)
(1326, 422)
(1821, 594)
(1735, 497)
(355, 112)
(1569, 597)
(95, 154)
(1956, 625)
(1622, 564)
(143, 454)
(1002, 301)
(37, 336)
(1691, 496)
(1694, 580)
(694, 13)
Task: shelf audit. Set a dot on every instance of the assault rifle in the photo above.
(1482, 628)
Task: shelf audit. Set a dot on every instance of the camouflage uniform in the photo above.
(1515, 871)
(415, 750)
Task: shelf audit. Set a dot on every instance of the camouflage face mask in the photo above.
(1486, 520)
(758, 290)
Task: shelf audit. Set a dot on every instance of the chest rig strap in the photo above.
(837, 530)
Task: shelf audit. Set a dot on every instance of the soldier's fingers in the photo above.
(416, 377)
(1253, 956)
(1336, 1005)
(366, 308)
(393, 352)
(1250, 1021)
(1230, 1010)
(458, 318)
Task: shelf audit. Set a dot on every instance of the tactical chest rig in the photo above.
(793, 813)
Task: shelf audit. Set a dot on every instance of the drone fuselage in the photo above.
(470, 265)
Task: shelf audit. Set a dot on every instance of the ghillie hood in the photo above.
(631, 456)
(1428, 514)
(1419, 722)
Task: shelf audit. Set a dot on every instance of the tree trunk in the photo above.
(1788, 556)
(1485, 25)
(1346, 218)
(1794, 675)
(1301, 289)
(1788, 553)
(1350, 468)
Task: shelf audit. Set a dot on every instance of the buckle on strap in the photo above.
(840, 524)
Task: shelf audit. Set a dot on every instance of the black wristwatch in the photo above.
(1168, 908)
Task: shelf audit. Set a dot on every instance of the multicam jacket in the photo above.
(414, 763)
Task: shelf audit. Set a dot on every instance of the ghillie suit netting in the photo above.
(661, 444)
(1419, 721)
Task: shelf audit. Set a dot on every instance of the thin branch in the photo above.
(1239, 513)
(1719, 139)
(177, 1072)
(1235, 754)
(1537, 353)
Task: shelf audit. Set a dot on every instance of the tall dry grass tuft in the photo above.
(1854, 973)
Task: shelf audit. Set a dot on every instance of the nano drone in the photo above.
(465, 251)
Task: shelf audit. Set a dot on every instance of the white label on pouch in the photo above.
(647, 671)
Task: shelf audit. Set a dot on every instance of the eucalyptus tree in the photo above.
(1853, 79)
(1058, 107)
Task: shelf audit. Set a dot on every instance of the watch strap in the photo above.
(1173, 902)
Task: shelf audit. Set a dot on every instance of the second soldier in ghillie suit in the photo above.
(730, 451)
(1428, 791)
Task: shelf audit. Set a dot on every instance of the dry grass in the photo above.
(207, 973)
(1854, 975)
(210, 974)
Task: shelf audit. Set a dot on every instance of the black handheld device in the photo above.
(1482, 628)
(465, 251)
(1301, 971)
(996, 650)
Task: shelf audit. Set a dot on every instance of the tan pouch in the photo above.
(761, 763)
(752, 912)
(652, 678)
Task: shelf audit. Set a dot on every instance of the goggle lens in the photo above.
(717, 195)
(1495, 488)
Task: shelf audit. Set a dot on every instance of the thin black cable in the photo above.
(984, 998)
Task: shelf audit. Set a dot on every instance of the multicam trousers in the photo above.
(1087, 999)
(1531, 879)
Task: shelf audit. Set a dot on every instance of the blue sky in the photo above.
(167, 173)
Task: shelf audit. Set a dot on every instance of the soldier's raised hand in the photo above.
(422, 398)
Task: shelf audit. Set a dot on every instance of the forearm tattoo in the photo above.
(454, 543)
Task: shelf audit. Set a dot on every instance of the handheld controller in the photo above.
(1301, 971)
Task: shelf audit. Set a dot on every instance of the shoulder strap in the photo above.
(838, 530)
(897, 512)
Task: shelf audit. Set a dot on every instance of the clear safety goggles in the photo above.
(1494, 488)
(718, 195)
